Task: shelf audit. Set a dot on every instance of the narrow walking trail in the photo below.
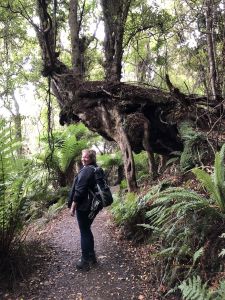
(121, 272)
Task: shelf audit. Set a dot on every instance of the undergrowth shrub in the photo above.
(43, 198)
(123, 184)
(187, 226)
(111, 162)
(128, 212)
(141, 165)
(24, 191)
(14, 189)
(124, 208)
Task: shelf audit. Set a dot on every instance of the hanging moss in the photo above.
(194, 146)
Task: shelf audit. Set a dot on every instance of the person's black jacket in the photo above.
(83, 182)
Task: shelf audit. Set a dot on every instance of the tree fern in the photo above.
(71, 149)
(67, 147)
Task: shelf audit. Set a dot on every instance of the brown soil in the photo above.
(123, 271)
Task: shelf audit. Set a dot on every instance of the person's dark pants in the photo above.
(86, 235)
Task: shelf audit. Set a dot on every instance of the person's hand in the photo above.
(73, 208)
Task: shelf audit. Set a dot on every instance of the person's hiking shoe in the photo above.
(83, 265)
(92, 259)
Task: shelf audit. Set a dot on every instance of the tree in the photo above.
(129, 115)
(134, 116)
(18, 57)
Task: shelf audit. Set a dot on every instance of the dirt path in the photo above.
(121, 273)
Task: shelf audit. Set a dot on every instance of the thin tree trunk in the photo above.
(74, 33)
(115, 15)
(213, 77)
(223, 55)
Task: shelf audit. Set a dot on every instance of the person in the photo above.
(80, 201)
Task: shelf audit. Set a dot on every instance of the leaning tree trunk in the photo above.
(135, 117)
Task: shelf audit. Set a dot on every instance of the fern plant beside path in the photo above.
(190, 225)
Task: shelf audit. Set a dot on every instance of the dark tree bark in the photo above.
(136, 118)
(79, 44)
(115, 15)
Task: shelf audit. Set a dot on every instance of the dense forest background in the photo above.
(142, 82)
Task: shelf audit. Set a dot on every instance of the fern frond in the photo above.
(166, 252)
(207, 182)
(222, 253)
(197, 254)
(220, 291)
(13, 186)
(193, 289)
(68, 152)
(219, 176)
(148, 226)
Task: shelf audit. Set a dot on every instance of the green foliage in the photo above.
(192, 154)
(14, 188)
(123, 184)
(183, 219)
(18, 50)
(164, 207)
(175, 214)
(147, 29)
(219, 294)
(141, 164)
(110, 160)
(194, 289)
(56, 207)
(215, 184)
(68, 145)
(124, 209)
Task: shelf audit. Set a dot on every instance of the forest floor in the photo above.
(123, 271)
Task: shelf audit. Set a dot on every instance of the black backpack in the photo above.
(102, 196)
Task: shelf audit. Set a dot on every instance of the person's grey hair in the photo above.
(91, 153)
